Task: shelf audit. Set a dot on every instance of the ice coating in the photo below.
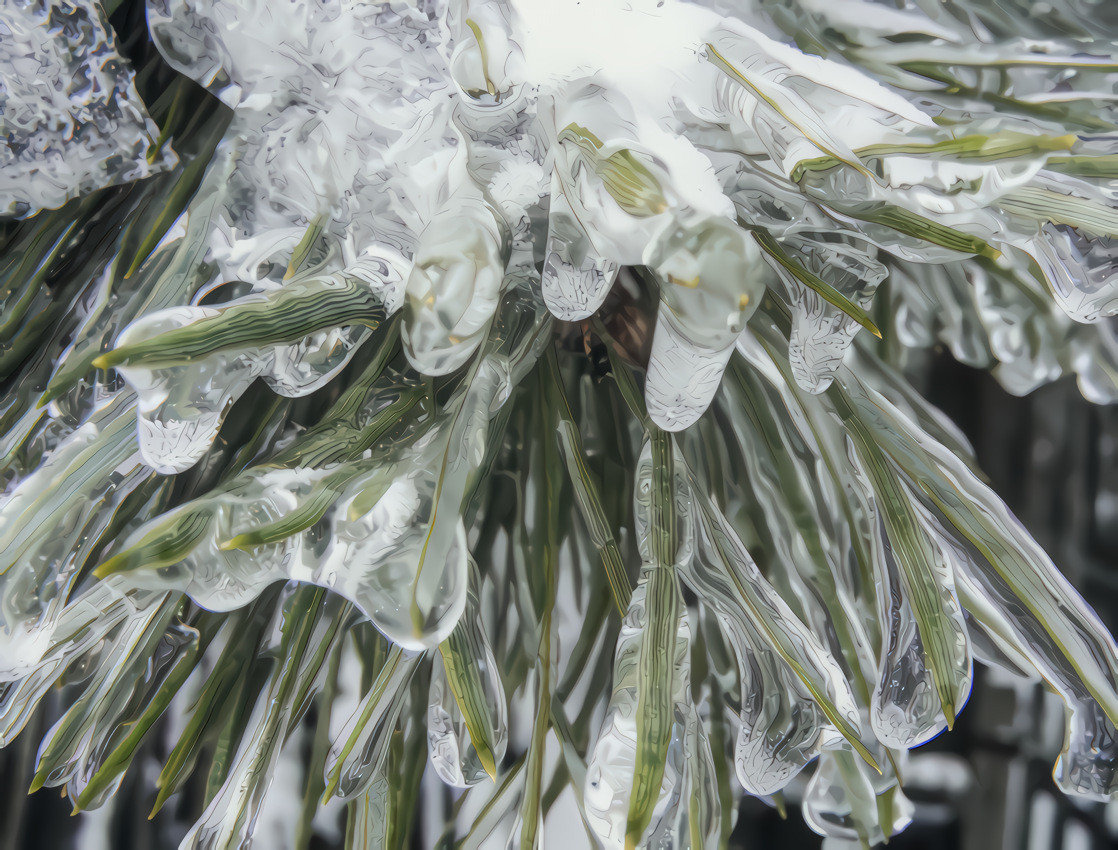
(448, 739)
(993, 596)
(783, 725)
(645, 510)
(39, 562)
(364, 134)
(108, 693)
(625, 162)
(358, 754)
(371, 816)
(1080, 273)
(609, 769)
(182, 400)
(167, 648)
(905, 711)
(72, 120)
(452, 751)
(614, 771)
(451, 158)
(844, 800)
(230, 817)
(88, 627)
(396, 545)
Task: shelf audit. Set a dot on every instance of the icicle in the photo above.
(821, 333)
(651, 668)
(576, 279)
(454, 286)
(714, 281)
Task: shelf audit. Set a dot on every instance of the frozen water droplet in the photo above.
(821, 333)
(683, 376)
(842, 800)
(453, 288)
(820, 337)
(1080, 271)
(448, 739)
(404, 563)
(780, 726)
(453, 752)
(1088, 765)
(576, 279)
(181, 407)
(300, 369)
(905, 710)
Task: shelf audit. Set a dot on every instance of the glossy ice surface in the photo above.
(418, 221)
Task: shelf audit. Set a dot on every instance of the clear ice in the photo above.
(442, 176)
